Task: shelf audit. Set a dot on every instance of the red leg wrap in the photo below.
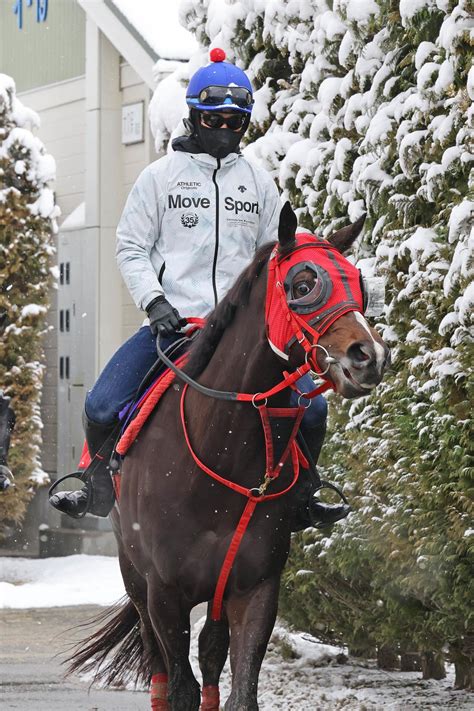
(159, 692)
(116, 479)
(210, 698)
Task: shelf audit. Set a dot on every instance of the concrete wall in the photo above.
(62, 111)
(135, 158)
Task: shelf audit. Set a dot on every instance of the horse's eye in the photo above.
(302, 289)
(307, 286)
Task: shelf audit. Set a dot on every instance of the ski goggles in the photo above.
(214, 120)
(221, 95)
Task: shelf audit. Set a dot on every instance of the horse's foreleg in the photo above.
(213, 648)
(170, 620)
(251, 620)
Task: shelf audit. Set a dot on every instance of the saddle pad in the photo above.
(141, 411)
(146, 406)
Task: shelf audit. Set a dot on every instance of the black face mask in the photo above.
(218, 142)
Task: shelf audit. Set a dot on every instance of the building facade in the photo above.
(88, 73)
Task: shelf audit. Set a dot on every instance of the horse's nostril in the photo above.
(360, 353)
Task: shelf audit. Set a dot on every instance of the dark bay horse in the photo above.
(175, 523)
(7, 422)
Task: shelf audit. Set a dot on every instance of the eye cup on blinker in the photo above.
(314, 299)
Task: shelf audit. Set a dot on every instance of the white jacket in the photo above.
(191, 224)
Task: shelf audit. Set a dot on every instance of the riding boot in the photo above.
(309, 511)
(97, 495)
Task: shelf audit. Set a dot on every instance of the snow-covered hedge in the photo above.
(366, 106)
(27, 220)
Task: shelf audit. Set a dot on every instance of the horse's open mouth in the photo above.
(362, 386)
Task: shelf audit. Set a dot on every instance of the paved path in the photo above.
(32, 675)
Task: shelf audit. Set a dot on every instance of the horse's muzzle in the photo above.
(361, 368)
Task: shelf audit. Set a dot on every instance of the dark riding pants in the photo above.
(119, 381)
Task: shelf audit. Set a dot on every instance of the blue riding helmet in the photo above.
(220, 86)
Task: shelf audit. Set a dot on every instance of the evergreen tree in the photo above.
(27, 221)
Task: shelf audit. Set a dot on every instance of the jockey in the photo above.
(192, 222)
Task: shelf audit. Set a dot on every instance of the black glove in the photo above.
(164, 319)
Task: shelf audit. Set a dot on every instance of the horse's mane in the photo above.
(222, 316)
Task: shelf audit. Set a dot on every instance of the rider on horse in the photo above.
(193, 221)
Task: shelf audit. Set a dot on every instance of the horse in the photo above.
(7, 423)
(176, 525)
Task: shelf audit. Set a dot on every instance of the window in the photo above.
(64, 273)
(64, 368)
(64, 320)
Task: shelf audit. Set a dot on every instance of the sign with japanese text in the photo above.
(133, 123)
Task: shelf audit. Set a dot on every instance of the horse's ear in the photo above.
(287, 227)
(343, 239)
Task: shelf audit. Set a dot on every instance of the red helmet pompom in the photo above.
(217, 55)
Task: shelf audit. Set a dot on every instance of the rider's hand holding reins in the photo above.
(164, 318)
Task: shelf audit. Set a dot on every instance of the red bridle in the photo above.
(284, 325)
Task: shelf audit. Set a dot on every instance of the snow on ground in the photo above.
(56, 582)
(299, 673)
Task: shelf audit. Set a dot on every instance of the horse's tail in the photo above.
(114, 654)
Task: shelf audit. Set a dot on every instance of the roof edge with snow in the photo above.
(133, 31)
(120, 33)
